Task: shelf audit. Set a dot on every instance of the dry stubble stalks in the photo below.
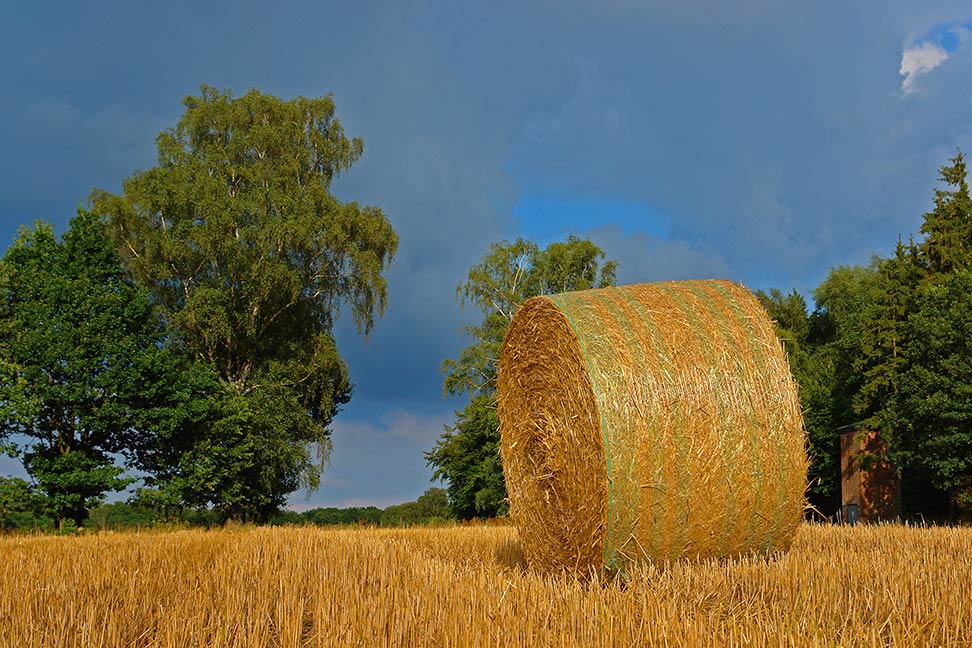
(649, 422)
(309, 588)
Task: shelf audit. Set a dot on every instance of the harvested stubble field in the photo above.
(466, 586)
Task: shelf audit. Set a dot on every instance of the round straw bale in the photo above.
(649, 422)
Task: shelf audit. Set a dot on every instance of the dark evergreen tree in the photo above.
(948, 228)
(934, 404)
(880, 359)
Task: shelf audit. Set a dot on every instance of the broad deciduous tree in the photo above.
(240, 242)
(80, 347)
(467, 454)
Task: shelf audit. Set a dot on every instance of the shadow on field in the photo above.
(509, 555)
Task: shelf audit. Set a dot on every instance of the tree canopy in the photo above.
(886, 349)
(508, 275)
(467, 454)
(934, 401)
(948, 227)
(238, 240)
(15, 497)
(184, 328)
(79, 351)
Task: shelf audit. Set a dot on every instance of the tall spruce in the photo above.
(930, 417)
(948, 228)
(884, 336)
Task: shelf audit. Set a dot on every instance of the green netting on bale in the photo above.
(649, 422)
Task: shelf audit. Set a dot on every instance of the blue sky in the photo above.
(695, 139)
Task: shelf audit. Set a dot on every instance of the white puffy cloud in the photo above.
(920, 59)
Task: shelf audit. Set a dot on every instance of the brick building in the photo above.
(870, 489)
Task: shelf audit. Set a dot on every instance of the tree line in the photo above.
(179, 334)
(19, 512)
(887, 347)
(182, 329)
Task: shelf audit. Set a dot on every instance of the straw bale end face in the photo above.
(553, 458)
(648, 422)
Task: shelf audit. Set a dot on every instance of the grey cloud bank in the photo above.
(776, 143)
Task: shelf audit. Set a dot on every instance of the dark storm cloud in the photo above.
(649, 258)
(774, 142)
(782, 138)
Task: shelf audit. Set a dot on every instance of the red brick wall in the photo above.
(874, 490)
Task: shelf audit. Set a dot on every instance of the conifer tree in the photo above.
(948, 227)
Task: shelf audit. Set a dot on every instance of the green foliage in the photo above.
(434, 504)
(887, 348)
(789, 315)
(398, 515)
(79, 345)
(15, 498)
(467, 455)
(917, 390)
(286, 518)
(467, 458)
(948, 227)
(883, 335)
(431, 506)
(927, 418)
(239, 241)
(841, 301)
(331, 515)
(22, 508)
(73, 482)
(120, 516)
(845, 356)
(935, 404)
(813, 365)
(507, 276)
